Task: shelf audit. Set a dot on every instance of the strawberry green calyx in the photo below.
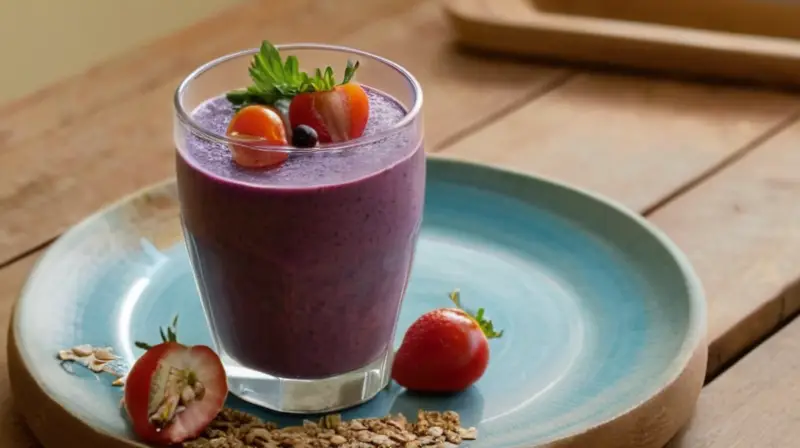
(486, 325)
(168, 335)
(275, 79)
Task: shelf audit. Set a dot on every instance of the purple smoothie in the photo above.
(302, 268)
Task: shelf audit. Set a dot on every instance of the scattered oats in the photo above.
(235, 429)
(67, 355)
(83, 350)
(426, 440)
(337, 440)
(105, 354)
(96, 359)
(468, 433)
(119, 382)
(260, 434)
(96, 365)
(452, 437)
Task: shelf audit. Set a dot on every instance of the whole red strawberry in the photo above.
(445, 350)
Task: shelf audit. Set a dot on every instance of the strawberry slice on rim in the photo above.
(174, 391)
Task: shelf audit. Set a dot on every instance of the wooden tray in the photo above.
(776, 18)
(519, 27)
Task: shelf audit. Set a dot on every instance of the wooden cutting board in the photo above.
(775, 18)
(521, 27)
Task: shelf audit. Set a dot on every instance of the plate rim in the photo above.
(687, 368)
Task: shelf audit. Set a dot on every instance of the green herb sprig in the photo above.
(275, 79)
(170, 334)
(486, 325)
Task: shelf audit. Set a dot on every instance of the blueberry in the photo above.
(304, 136)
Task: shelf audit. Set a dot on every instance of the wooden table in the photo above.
(718, 168)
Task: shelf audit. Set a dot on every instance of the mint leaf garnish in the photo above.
(275, 79)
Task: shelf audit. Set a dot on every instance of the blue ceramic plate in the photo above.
(604, 319)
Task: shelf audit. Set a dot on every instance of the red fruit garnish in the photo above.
(445, 350)
(173, 391)
(337, 115)
(258, 125)
(337, 112)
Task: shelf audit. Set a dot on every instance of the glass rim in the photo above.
(194, 127)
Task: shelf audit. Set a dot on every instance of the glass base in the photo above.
(309, 396)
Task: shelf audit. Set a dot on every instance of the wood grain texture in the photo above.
(765, 18)
(518, 27)
(754, 403)
(741, 230)
(113, 149)
(139, 71)
(166, 61)
(461, 92)
(636, 140)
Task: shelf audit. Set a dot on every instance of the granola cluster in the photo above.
(235, 429)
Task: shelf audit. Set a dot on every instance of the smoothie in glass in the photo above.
(302, 262)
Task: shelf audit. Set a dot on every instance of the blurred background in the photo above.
(43, 41)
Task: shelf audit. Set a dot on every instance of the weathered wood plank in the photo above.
(462, 92)
(162, 62)
(741, 229)
(754, 403)
(634, 139)
(116, 149)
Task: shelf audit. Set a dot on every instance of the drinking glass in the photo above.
(302, 267)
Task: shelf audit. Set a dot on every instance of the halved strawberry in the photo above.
(445, 350)
(337, 115)
(174, 391)
(335, 111)
(259, 126)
